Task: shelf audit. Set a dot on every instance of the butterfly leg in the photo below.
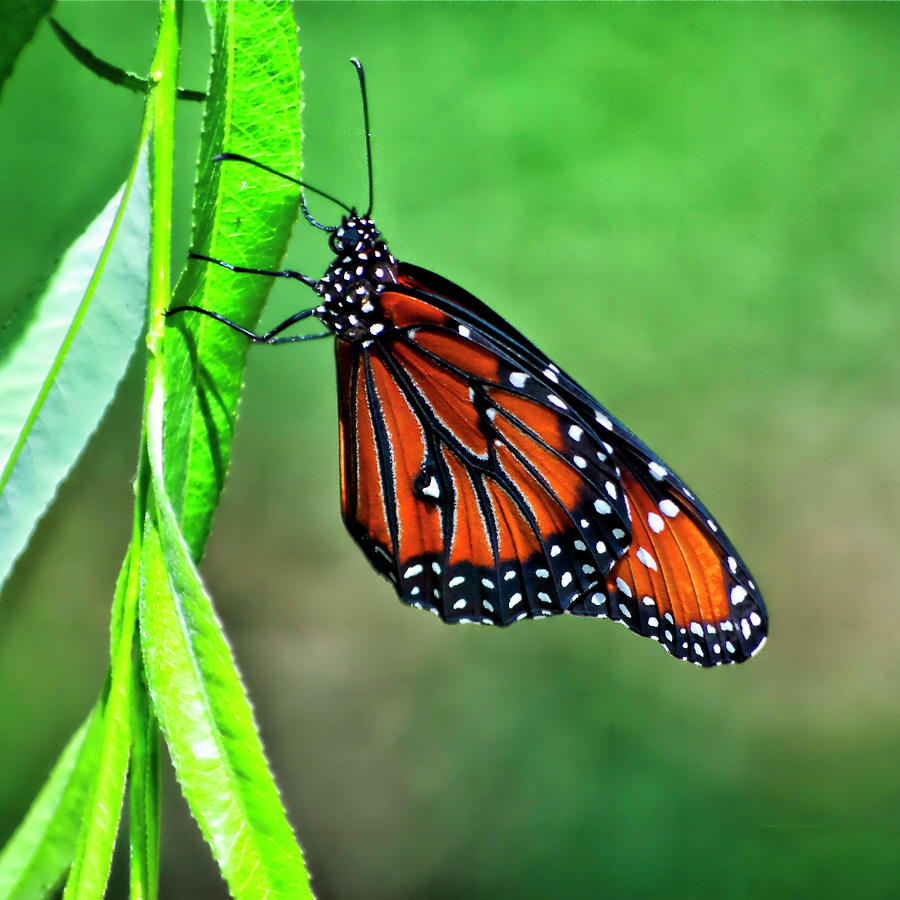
(268, 337)
(284, 273)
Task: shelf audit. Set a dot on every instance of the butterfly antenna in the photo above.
(365, 103)
(304, 186)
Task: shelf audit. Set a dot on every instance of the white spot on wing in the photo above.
(655, 522)
(412, 571)
(575, 432)
(518, 379)
(431, 489)
(668, 508)
(646, 559)
(657, 471)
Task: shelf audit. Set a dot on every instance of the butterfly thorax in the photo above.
(361, 269)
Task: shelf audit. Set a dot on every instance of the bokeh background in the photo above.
(693, 209)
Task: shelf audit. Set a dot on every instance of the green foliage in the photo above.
(41, 850)
(143, 793)
(207, 719)
(108, 71)
(240, 212)
(178, 671)
(97, 836)
(60, 368)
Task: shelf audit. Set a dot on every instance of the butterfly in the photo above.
(485, 483)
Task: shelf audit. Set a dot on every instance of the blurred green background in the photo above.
(694, 210)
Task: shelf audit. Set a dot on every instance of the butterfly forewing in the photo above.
(497, 517)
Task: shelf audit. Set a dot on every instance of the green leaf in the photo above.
(41, 849)
(59, 371)
(20, 20)
(205, 714)
(97, 838)
(241, 215)
(196, 691)
(143, 794)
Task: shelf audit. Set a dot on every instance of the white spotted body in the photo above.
(361, 270)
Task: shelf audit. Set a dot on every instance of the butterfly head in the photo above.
(355, 234)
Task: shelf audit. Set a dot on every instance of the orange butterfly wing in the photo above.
(489, 487)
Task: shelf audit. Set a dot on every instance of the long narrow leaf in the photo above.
(93, 854)
(205, 714)
(143, 794)
(42, 848)
(61, 370)
(37, 855)
(243, 215)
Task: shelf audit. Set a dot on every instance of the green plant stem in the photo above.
(108, 71)
(144, 815)
(90, 868)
